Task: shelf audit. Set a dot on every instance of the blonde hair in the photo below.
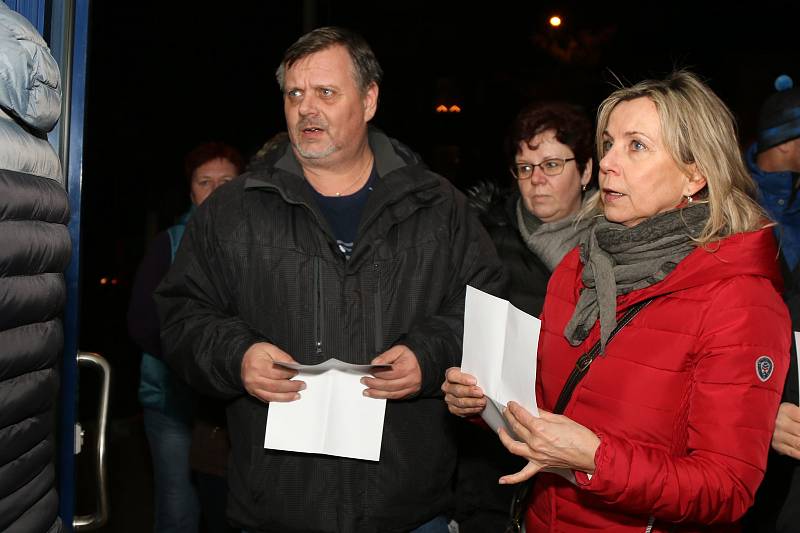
(697, 128)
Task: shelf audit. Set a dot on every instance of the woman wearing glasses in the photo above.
(667, 429)
(549, 149)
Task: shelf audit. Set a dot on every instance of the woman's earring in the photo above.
(689, 199)
(583, 187)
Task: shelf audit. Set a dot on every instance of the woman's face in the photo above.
(208, 176)
(550, 198)
(638, 177)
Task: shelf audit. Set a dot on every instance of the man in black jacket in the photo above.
(339, 244)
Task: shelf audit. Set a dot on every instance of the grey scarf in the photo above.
(619, 260)
(550, 241)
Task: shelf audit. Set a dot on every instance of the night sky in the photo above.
(163, 79)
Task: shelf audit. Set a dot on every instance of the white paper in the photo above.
(500, 343)
(797, 356)
(500, 351)
(332, 416)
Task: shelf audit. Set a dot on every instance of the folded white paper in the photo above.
(500, 351)
(500, 344)
(797, 354)
(332, 416)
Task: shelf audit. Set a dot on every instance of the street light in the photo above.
(555, 21)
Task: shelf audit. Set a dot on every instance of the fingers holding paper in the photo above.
(264, 379)
(400, 381)
(786, 437)
(462, 394)
(547, 441)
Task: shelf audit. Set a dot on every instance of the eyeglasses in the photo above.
(550, 167)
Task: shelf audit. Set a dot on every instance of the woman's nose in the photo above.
(608, 162)
(538, 176)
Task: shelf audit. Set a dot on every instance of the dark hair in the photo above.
(202, 154)
(570, 123)
(366, 67)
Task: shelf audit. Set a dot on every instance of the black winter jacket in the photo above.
(260, 263)
(528, 275)
(34, 251)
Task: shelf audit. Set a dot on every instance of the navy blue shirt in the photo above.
(343, 213)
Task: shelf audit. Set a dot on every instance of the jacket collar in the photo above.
(284, 173)
(774, 183)
(754, 253)
(404, 186)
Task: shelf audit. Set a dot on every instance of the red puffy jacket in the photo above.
(683, 401)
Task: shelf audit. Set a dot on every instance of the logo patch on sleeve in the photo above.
(764, 367)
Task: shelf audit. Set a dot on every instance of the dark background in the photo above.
(165, 76)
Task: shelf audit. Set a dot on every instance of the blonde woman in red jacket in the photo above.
(669, 429)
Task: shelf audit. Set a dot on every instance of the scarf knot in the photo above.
(618, 260)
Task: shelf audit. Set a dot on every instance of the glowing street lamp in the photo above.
(555, 21)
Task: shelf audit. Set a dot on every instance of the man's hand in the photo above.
(401, 381)
(462, 394)
(786, 437)
(265, 380)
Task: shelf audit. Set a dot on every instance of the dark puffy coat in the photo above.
(34, 251)
(259, 263)
(684, 418)
(482, 504)
(528, 275)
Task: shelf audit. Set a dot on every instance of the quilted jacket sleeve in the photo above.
(202, 338)
(730, 418)
(437, 341)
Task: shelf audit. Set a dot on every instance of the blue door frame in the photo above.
(68, 37)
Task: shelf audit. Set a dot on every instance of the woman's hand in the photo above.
(547, 441)
(786, 437)
(462, 394)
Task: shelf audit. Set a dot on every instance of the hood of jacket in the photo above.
(402, 176)
(390, 155)
(30, 86)
(30, 98)
(753, 253)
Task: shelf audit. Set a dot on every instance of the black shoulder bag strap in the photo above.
(586, 359)
(520, 500)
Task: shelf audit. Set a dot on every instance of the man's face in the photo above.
(326, 113)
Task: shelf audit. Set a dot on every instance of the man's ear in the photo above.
(370, 101)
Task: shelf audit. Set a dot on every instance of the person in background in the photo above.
(669, 428)
(167, 402)
(549, 149)
(774, 163)
(35, 250)
(340, 244)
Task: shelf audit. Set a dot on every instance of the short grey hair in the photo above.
(366, 68)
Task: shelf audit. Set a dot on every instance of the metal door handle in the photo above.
(100, 517)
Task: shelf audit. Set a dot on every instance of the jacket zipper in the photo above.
(378, 312)
(650, 522)
(317, 307)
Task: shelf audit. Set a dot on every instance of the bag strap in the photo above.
(586, 359)
(519, 501)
